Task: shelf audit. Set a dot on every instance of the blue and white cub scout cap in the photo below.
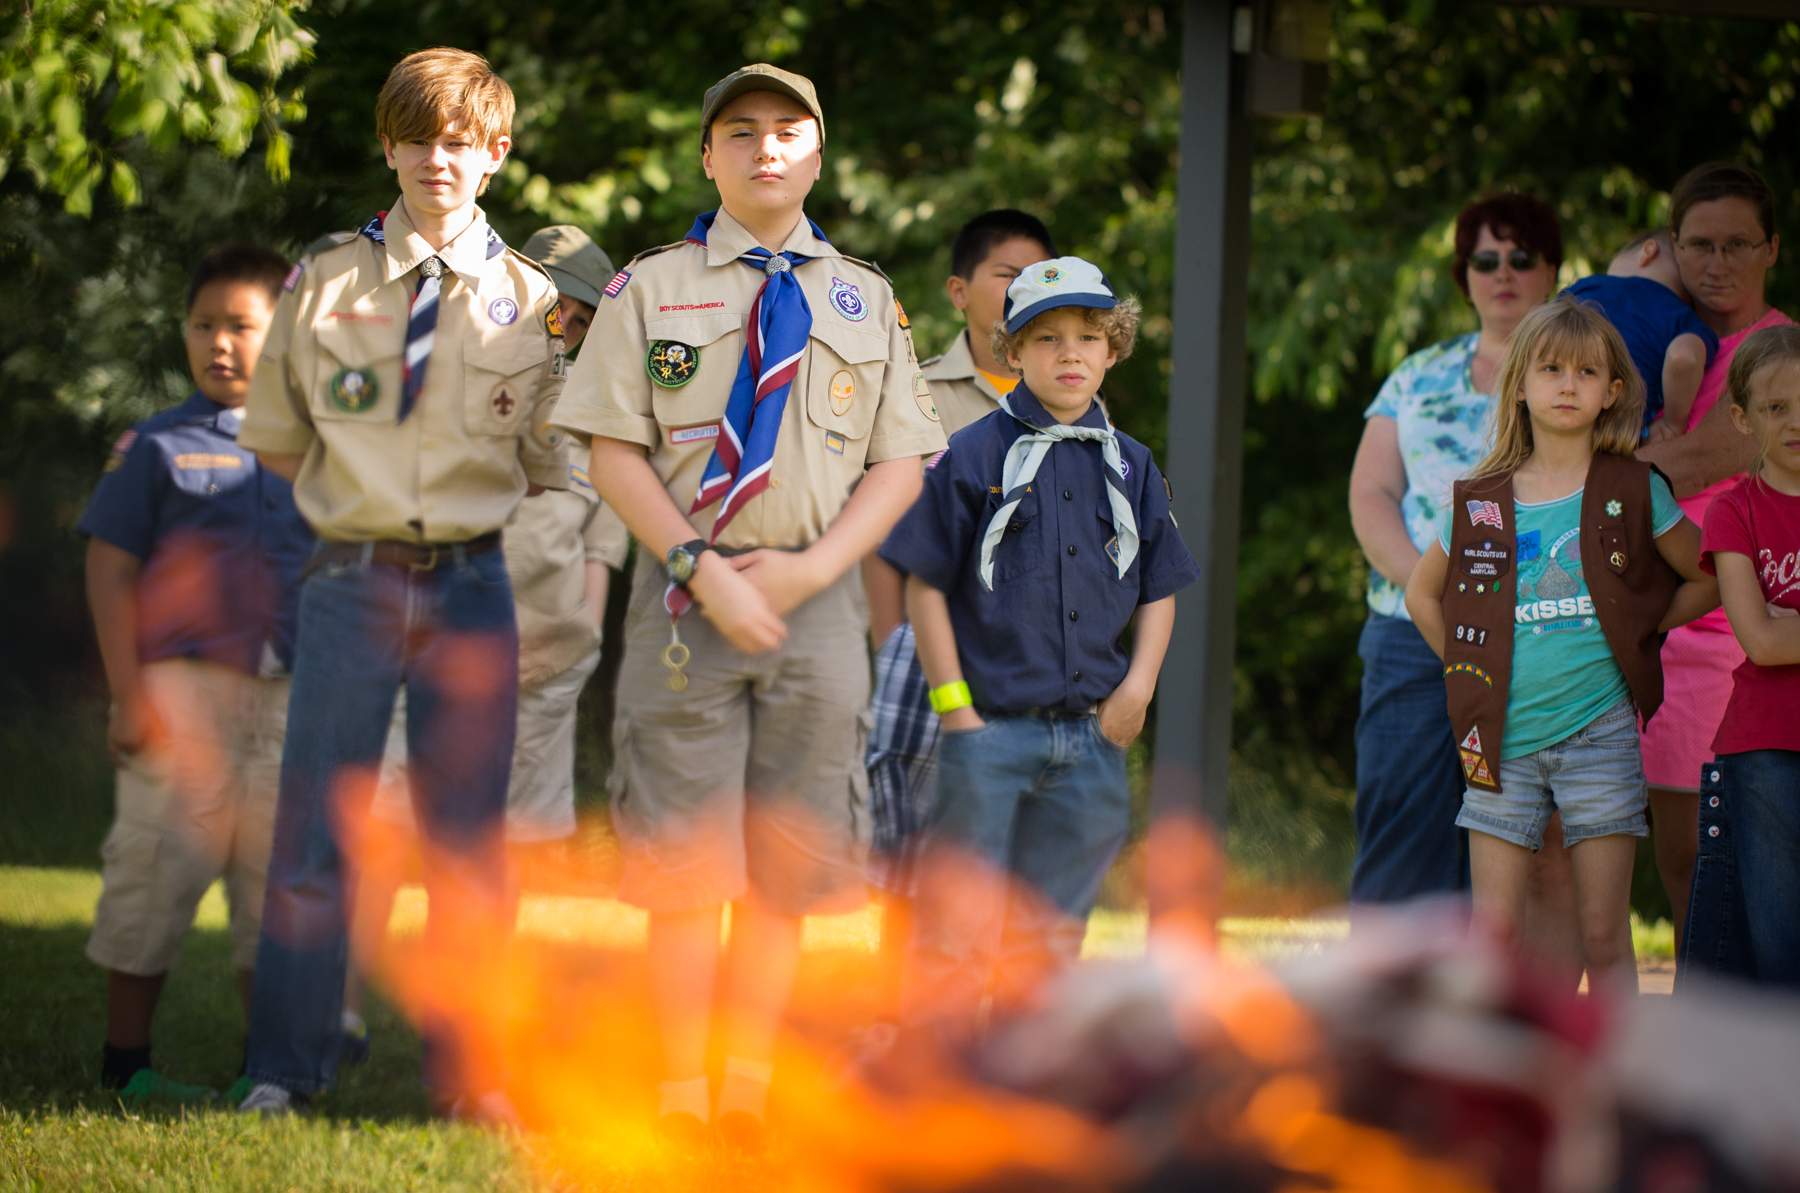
(1064, 282)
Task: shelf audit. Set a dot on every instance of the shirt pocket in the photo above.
(358, 375)
(692, 361)
(843, 379)
(1109, 544)
(501, 380)
(1020, 548)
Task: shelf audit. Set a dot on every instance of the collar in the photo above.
(200, 410)
(1028, 409)
(727, 240)
(957, 363)
(466, 256)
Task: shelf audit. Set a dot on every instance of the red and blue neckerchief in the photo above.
(421, 321)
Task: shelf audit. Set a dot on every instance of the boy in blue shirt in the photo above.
(193, 567)
(1040, 532)
(1641, 294)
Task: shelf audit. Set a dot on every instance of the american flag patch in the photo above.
(1485, 513)
(125, 441)
(932, 462)
(293, 278)
(618, 283)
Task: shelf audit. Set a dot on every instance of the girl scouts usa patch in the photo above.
(848, 300)
(671, 364)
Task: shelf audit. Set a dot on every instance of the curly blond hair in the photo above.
(1119, 324)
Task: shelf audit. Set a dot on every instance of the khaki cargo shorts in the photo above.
(751, 780)
(540, 796)
(200, 809)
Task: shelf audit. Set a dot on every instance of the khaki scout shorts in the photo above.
(200, 809)
(540, 796)
(752, 778)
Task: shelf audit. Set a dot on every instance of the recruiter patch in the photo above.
(354, 390)
(671, 364)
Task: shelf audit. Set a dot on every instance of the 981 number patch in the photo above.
(1473, 635)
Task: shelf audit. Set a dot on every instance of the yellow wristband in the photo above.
(950, 697)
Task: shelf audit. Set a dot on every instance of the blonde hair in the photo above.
(1768, 347)
(441, 88)
(1120, 326)
(1564, 330)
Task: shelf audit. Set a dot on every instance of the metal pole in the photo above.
(1206, 415)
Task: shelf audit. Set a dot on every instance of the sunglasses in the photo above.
(1488, 261)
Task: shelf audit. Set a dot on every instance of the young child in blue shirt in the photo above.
(193, 576)
(1041, 531)
(1642, 295)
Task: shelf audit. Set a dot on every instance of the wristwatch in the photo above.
(684, 559)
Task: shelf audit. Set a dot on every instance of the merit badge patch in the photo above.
(1474, 759)
(617, 284)
(672, 364)
(848, 300)
(900, 314)
(1485, 561)
(553, 321)
(843, 392)
(922, 395)
(293, 278)
(354, 390)
(681, 435)
(504, 310)
(834, 443)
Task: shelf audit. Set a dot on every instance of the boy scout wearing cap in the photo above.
(193, 575)
(1041, 532)
(404, 384)
(750, 391)
(559, 547)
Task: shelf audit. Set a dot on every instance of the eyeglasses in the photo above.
(1488, 260)
(1733, 251)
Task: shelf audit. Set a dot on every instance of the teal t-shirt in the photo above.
(1564, 675)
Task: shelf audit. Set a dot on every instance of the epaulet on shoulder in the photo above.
(932, 362)
(532, 265)
(871, 265)
(326, 243)
(649, 253)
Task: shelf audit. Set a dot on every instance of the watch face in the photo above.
(681, 565)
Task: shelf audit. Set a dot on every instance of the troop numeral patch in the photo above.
(1473, 635)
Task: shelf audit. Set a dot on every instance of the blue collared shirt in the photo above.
(221, 540)
(1047, 636)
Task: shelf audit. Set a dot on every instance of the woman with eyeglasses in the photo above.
(1426, 429)
(1723, 216)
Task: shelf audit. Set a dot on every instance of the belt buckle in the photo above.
(430, 563)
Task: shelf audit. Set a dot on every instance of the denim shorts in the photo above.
(1595, 778)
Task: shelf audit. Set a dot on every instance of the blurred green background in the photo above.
(134, 134)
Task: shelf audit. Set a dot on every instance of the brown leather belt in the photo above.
(423, 557)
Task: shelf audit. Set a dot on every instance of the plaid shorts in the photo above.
(902, 762)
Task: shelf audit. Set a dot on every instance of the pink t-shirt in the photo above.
(1757, 521)
(1712, 388)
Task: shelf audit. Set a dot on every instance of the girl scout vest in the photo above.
(1630, 584)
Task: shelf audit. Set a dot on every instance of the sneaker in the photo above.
(240, 1089)
(147, 1086)
(272, 1101)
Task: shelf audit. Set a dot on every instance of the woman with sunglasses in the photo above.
(1427, 428)
(1723, 215)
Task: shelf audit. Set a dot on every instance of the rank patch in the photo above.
(672, 364)
(504, 404)
(848, 300)
(504, 310)
(354, 390)
(553, 321)
(843, 392)
(834, 443)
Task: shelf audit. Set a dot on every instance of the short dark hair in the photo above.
(1527, 222)
(1722, 180)
(987, 231)
(251, 264)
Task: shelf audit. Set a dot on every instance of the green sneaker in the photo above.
(240, 1089)
(147, 1086)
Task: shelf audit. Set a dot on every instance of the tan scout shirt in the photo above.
(962, 394)
(859, 397)
(548, 543)
(458, 465)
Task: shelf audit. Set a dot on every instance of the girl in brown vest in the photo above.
(1561, 562)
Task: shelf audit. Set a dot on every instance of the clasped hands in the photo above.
(745, 596)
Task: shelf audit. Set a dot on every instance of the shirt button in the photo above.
(1071, 550)
(1074, 616)
(1068, 496)
(1713, 831)
(1713, 802)
(1077, 676)
(774, 482)
(1714, 776)
(1014, 527)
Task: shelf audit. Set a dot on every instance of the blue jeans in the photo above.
(449, 635)
(1029, 815)
(1409, 780)
(1741, 915)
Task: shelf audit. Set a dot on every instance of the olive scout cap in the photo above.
(761, 76)
(1064, 282)
(579, 267)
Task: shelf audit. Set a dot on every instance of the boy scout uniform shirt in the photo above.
(457, 467)
(549, 543)
(859, 397)
(957, 386)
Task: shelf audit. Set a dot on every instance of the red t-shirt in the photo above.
(1755, 520)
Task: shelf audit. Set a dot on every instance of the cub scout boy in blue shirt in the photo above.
(193, 574)
(405, 385)
(1040, 532)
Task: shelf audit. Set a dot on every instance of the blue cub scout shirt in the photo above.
(221, 540)
(1047, 636)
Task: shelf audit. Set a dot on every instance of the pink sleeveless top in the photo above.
(1712, 388)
